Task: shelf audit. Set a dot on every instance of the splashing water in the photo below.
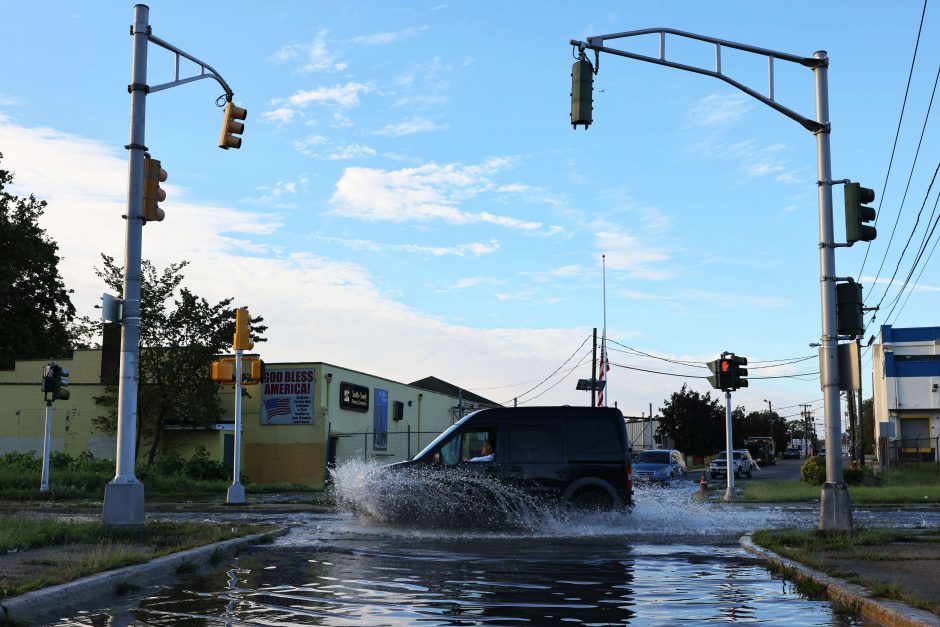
(416, 499)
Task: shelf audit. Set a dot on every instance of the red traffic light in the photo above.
(725, 365)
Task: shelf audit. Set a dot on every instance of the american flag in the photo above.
(277, 407)
(602, 376)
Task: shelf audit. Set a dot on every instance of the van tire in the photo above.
(591, 499)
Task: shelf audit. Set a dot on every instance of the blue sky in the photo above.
(410, 199)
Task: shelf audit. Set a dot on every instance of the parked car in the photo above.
(743, 464)
(791, 453)
(579, 455)
(659, 465)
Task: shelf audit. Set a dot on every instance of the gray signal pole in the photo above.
(124, 495)
(835, 508)
(729, 450)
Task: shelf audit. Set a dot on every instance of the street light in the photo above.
(770, 406)
(124, 495)
(835, 508)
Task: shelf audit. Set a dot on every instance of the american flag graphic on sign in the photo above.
(277, 407)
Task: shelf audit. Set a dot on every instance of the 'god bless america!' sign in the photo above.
(287, 396)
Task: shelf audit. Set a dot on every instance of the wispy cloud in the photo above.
(381, 39)
(278, 193)
(475, 281)
(720, 109)
(313, 56)
(351, 151)
(460, 250)
(340, 96)
(423, 193)
(632, 255)
(409, 127)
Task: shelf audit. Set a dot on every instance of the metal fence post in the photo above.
(409, 441)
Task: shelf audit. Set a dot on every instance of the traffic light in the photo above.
(721, 373)
(223, 372)
(48, 379)
(60, 383)
(232, 127)
(850, 315)
(738, 372)
(242, 339)
(153, 193)
(257, 371)
(582, 86)
(856, 215)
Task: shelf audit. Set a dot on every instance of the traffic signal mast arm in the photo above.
(597, 44)
(207, 70)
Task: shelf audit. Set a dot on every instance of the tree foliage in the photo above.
(36, 310)
(695, 423)
(180, 333)
(759, 423)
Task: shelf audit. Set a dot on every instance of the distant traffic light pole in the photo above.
(835, 508)
(728, 374)
(124, 495)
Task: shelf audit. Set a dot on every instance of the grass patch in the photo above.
(113, 547)
(907, 490)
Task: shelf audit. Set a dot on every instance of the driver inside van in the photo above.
(486, 453)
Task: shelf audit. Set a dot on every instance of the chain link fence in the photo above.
(915, 451)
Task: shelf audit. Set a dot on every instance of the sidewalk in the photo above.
(891, 569)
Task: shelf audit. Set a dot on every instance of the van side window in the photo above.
(535, 444)
(450, 452)
(593, 435)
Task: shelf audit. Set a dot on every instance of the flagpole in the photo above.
(604, 356)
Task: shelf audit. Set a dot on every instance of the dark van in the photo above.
(577, 454)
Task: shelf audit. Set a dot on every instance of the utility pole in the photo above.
(594, 371)
(805, 413)
(124, 495)
(861, 415)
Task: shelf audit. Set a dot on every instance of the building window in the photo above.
(380, 420)
(398, 410)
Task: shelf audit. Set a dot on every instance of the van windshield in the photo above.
(653, 457)
(443, 436)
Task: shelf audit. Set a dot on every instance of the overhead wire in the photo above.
(555, 384)
(907, 89)
(552, 374)
(909, 177)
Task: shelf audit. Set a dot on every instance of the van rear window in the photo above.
(592, 435)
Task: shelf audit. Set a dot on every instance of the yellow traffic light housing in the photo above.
(257, 371)
(153, 193)
(231, 127)
(242, 339)
(223, 371)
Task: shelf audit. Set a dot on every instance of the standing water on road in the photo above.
(671, 560)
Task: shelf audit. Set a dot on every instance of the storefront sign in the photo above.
(287, 396)
(353, 397)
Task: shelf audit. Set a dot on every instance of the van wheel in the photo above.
(592, 499)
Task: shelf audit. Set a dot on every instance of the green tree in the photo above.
(696, 423)
(180, 333)
(36, 311)
(759, 423)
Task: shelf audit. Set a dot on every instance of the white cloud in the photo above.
(280, 191)
(381, 39)
(427, 192)
(345, 95)
(630, 254)
(460, 250)
(283, 115)
(409, 127)
(720, 109)
(351, 151)
(469, 282)
(313, 56)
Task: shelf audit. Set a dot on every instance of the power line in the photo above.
(901, 258)
(909, 178)
(553, 373)
(573, 368)
(907, 89)
(697, 364)
(917, 280)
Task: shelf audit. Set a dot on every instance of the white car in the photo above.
(743, 464)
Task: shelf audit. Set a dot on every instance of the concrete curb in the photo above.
(32, 607)
(884, 611)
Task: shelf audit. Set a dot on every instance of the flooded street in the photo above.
(672, 560)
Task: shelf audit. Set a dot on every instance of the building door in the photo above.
(916, 444)
(380, 420)
(228, 450)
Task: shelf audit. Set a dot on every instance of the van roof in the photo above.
(552, 410)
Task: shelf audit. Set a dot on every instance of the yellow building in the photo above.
(302, 418)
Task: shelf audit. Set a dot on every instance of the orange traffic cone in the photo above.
(702, 485)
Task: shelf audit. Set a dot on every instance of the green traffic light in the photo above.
(856, 214)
